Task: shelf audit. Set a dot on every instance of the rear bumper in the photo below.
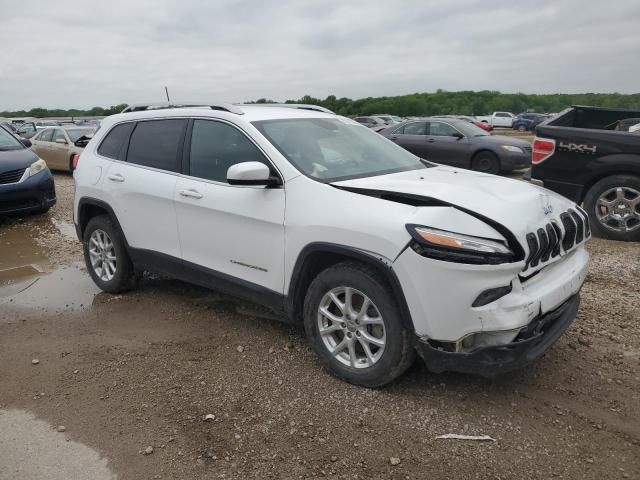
(32, 195)
(491, 361)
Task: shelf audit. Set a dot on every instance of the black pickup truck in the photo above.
(588, 154)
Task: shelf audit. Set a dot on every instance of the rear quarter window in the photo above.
(114, 142)
(156, 143)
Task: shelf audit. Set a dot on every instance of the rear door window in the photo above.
(156, 144)
(415, 128)
(115, 141)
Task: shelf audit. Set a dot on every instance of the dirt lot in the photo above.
(126, 372)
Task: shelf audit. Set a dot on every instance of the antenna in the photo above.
(166, 91)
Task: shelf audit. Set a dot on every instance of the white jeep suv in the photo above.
(379, 254)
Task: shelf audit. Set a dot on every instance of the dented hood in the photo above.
(518, 206)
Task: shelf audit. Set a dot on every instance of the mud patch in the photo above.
(31, 448)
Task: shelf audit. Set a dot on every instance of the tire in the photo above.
(116, 280)
(486, 162)
(625, 208)
(384, 364)
(522, 128)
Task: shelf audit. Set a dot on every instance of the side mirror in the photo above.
(26, 142)
(251, 173)
(61, 141)
(457, 135)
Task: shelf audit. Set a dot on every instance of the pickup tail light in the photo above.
(74, 160)
(542, 149)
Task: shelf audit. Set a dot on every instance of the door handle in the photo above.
(394, 137)
(115, 177)
(191, 193)
(431, 140)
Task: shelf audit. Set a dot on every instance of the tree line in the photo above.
(440, 102)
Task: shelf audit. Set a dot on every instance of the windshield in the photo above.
(76, 133)
(470, 130)
(331, 149)
(9, 142)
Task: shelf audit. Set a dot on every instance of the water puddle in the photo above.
(33, 449)
(65, 289)
(30, 277)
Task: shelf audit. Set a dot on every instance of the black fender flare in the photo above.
(295, 295)
(89, 201)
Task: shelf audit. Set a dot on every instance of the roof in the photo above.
(245, 112)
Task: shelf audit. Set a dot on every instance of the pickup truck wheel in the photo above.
(106, 256)
(486, 162)
(613, 205)
(354, 325)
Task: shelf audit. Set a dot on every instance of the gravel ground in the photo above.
(124, 373)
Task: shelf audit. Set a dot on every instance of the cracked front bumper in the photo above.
(489, 362)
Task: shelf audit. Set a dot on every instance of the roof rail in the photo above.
(299, 106)
(141, 107)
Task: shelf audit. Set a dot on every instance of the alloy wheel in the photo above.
(102, 254)
(618, 209)
(351, 327)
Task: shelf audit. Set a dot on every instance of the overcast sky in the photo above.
(99, 53)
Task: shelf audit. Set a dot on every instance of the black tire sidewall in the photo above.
(591, 198)
(122, 280)
(393, 361)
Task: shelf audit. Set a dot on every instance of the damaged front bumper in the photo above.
(530, 344)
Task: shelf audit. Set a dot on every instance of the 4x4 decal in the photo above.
(578, 148)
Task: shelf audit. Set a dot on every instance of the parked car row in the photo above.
(459, 143)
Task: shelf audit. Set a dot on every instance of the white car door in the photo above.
(140, 185)
(233, 232)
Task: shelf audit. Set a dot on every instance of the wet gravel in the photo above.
(128, 372)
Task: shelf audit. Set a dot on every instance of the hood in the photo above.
(497, 140)
(518, 206)
(16, 159)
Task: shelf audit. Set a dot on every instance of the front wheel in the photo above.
(354, 325)
(613, 205)
(522, 128)
(486, 162)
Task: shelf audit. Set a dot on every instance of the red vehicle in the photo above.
(483, 125)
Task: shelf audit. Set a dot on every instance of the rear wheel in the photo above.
(486, 162)
(355, 327)
(613, 205)
(106, 256)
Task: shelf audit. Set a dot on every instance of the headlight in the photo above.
(511, 148)
(37, 167)
(456, 247)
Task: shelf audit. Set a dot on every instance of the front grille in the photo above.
(548, 242)
(12, 176)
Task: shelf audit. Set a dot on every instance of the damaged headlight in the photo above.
(36, 167)
(456, 247)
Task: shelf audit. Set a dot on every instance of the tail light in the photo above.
(74, 160)
(542, 149)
